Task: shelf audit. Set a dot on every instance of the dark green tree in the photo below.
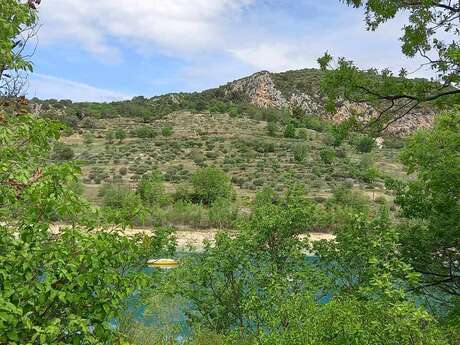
(432, 203)
(210, 184)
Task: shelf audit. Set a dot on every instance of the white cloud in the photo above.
(46, 86)
(212, 40)
(275, 57)
(178, 25)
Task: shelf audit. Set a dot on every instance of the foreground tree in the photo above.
(58, 285)
(431, 240)
(432, 33)
(18, 23)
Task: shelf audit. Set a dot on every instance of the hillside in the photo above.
(261, 96)
(266, 130)
(251, 153)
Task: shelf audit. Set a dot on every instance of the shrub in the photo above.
(272, 129)
(222, 214)
(365, 144)
(209, 184)
(314, 122)
(328, 139)
(340, 133)
(144, 132)
(300, 152)
(167, 131)
(327, 155)
(109, 136)
(187, 213)
(121, 205)
(394, 143)
(88, 138)
(366, 170)
(120, 134)
(62, 152)
(289, 131)
(303, 134)
(151, 189)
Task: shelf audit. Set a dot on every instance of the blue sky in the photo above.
(103, 50)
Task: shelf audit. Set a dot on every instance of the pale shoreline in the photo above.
(195, 238)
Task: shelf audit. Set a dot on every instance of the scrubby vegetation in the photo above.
(91, 193)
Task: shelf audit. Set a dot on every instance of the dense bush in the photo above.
(144, 132)
(314, 122)
(62, 152)
(151, 189)
(289, 131)
(210, 184)
(365, 144)
(121, 204)
(327, 155)
(58, 287)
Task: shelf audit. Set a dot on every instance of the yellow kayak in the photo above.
(163, 263)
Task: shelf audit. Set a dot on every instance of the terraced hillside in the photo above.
(241, 147)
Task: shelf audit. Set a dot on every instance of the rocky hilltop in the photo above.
(301, 89)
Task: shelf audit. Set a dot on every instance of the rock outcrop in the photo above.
(262, 91)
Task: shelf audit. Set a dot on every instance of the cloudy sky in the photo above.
(105, 50)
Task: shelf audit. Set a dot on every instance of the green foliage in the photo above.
(327, 155)
(62, 152)
(120, 134)
(57, 287)
(340, 132)
(289, 131)
(272, 128)
(365, 170)
(210, 184)
(121, 205)
(167, 131)
(431, 201)
(15, 18)
(365, 256)
(352, 321)
(151, 189)
(365, 144)
(226, 290)
(394, 96)
(223, 214)
(314, 122)
(349, 200)
(144, 131)
(300, 152)
(109, 137)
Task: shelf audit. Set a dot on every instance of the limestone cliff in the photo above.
(263, 91)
